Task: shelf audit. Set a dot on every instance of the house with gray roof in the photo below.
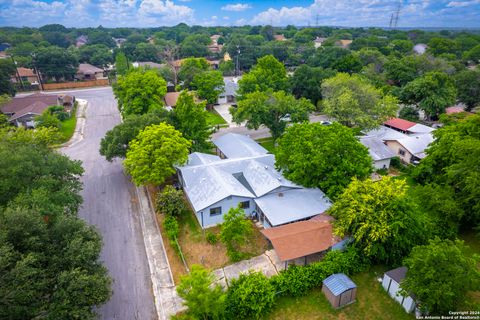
(245, 175)
(379, 152)
(229, 91)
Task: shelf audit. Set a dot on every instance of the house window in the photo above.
(215, 211)
(401, 152)
(245, 204)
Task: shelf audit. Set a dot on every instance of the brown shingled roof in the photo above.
(25, 72)
(36, 108)
(299, 239)
(17, 104)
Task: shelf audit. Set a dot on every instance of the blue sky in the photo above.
(148, 13)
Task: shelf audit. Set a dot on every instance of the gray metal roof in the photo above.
(234, 145)
(416, 144)
(338, 283)
(420, 128)
(385, 134)
(198, 158)
(231, 87)
(377, 149)
(293, 205)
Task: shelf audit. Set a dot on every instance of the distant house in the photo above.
(339, 290)
(22, 111)
(119, 41)
(279, 37)
(170, 99)
(344, 43)
(86, 71)
(229, 92)
(408, 140)
(177, 64)
(391, 283)
(420, 48)
(26, 75)
(317, 43)
(247, 177)
(81, 41)
(379, 152)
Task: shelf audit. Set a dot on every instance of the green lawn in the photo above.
(213, 118)
(372, 303)
(68, 127)
(267, 143)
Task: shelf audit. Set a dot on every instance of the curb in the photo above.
(79, 131)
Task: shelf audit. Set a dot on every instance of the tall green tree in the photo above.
(98, 55)
(354, 102)
(7, 70)
(267, 74)
(154, 153)
(380, 217)
(139, 92)
(190, 68)
(467, 83)
(325, 157)
(440, 274)
(306, 82)
(121, 64)
(116, 141)
(433, 93)
(271, 109)
(190, 119)
(209, 85)
(235, 231)
(57, 63)
(170, 201)
(204, 299)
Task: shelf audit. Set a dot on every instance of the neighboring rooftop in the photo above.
(385, 134)
(399, 124)
(87, 68)
(338, 283)
(17, 104)
(234, 145)
(171, 98)
(37, 108)
(417, 144)
(26, 72)
(377, 149)
(148, 64)
(300, 239)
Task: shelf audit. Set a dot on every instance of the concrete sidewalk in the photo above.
(167, 302)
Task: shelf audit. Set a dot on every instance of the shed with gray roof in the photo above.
(339, 290)
(391, 283)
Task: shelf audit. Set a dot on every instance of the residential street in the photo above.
(108, 205)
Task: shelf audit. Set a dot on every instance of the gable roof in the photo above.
(36, 108)
(385, 134)
(86, 68)
(400, 124)
(293, 205)
(338, 283)
(377, 149)
(397, 274)
(26, 72)
(417, 144)
(234, 145)
(18, 104)
(299, 239)
(419, 128)
(198, 158)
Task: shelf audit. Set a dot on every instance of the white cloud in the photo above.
(462, 3)
(159, 12)
(236, 7)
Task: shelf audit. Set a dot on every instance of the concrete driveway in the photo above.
(111, 206)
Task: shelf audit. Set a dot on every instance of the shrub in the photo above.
(211, 238)
(235, 231)
(395, 162)
(62, 115)
(250, 296)
(170, 201)
(170, 225)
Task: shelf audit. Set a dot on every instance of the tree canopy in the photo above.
(189, 68)
(325, 157)
(306, 82)
(57, 63)
(267, 74)
(380, 217)
(271, 109)
(139, 92)
(440, 274)
(153, 154)
(467, 83)
(235, 231)
(208, 85)
(354, 102)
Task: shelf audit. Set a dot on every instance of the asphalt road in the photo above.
(110, 206)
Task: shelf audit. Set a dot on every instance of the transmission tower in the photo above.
(395, 15)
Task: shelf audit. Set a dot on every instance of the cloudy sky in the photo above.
(146, 13)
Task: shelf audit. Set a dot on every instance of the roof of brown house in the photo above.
(86, 68)
(25, 72)
(400, 124)
(299, 239)
(171, 98)
(345, 43)
(37, 108)
(279, 37)
(18, 104)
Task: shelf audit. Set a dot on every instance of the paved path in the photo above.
(110, 203)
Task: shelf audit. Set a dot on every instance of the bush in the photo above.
(211, 238)
(62, 115)
(236, 229)
(170, 201)
(170, 225)
(250, 296)
(396, 163)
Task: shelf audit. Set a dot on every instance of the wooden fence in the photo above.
(78, 84)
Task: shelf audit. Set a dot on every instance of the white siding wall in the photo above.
(396, 147)
(222, 99)
(380, 164)
(225, 204)
(408, 303)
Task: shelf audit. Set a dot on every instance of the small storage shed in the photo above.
(339, 289)
(391, 283)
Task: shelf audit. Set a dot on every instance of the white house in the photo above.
(229, 92)
(379, 152)
(246, 176)
(391, 283)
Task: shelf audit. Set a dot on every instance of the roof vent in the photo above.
(266, 167)
(280, 194)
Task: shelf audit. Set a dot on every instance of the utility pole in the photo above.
(19, 79)
(237, 64)
(39, 76)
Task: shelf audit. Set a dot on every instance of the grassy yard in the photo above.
(372, 303)
(214, 119)
(68, 127)
(472, 240)
(267, 143)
